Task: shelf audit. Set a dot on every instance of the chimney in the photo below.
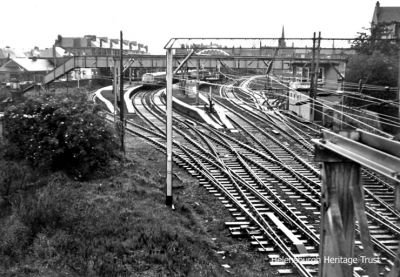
(102, 39)
(58, 40)
(132, 43)
(113, 41)
(377, 11)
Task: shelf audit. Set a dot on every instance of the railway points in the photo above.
(212, 156)
(265, 176)
(248, 137)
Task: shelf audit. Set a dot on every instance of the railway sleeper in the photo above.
(266, 249)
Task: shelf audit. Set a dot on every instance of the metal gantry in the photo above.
(200, 162)
(197, 44)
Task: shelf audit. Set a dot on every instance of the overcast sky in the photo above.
(26, 23)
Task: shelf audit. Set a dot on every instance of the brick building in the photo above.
(390, 16)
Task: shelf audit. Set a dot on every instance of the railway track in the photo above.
(383, 219)
(248, 199)
(271, 195)
(376, 185)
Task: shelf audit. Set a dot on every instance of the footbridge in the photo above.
(205, 60)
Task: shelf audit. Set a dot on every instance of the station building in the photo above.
(25, 69)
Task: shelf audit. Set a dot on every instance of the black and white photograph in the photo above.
(178, 138)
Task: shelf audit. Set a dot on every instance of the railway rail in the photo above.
(381, 214)
(271, 190)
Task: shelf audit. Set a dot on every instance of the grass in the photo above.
(118, 226)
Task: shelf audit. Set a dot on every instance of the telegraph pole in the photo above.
(314, 75)
(312, 80)
(121, 95)
(317, 106)
(114, 88)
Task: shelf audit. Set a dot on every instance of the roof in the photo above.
(389, 14)
(386, 14)
(25, 64)
(48, 52)
(10, 53)
(45, 53)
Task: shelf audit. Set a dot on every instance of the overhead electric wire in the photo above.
(355, 108)
(322, 104)
(317, 101)
(380, 100)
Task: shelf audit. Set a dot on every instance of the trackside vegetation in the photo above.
(60, 132)
(69, 206)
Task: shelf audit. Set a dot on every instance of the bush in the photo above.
(14, 177)
(60, 133)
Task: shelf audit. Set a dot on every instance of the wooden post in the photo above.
(337, 214)
(396, 196)
(342, 191)
(342, 202)
(359, 209)
(169, 199)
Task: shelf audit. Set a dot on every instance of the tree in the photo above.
(376, 68)
(376, 41)
(374, 63)
(376, 58)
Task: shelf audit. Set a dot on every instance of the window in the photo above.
(321, 73)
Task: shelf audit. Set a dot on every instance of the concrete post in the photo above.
(169, 76)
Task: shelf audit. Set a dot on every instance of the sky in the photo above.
(28, 23)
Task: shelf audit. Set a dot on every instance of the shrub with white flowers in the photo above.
(60, 133)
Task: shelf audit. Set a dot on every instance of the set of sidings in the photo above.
(272, 192)
(383, 219)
